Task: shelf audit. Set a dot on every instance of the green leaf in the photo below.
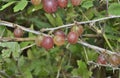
(7, 5)
(31, 34)
(33, 9)
(6, 53)
(24, 44)
(82, 70)
(20, 6)
(2, 31)
(89, 13)
(14, 49)
(71, 14)
(91, 54)
(21, 61)
(27, 74)
(75, 48)
(51, 19)
(108, 43)
(119, 40)
(58, 20)
(30, 54)
(87, 4)
(112, 37)
(39, 23)
(114, 9)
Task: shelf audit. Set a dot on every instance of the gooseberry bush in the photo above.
(59, 38)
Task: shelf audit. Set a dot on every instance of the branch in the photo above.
(9, 24)
(91, 35)
(12, 25)
(101, 50)
(28, 47)
(105, 65)
(5, 39)
(84, 22)
(4, 74)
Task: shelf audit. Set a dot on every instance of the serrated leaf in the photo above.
(27, 74)
(14, 49)
(87, 4)
(81, 70)
(7, 5)
(114, 9)
(6, 53)
(20, 6)
(21, 61)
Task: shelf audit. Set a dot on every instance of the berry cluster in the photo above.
(51, 6)
(59, 38)
(72, 37)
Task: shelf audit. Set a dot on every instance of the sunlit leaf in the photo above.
(7, 5)
(114, 9)
(20, 6)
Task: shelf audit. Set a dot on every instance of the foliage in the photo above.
(65, 61)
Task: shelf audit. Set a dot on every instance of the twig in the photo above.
(105, 65)
(91, 35)
(9, 24)
(5, 39)
(4, 74)
(96, 48)
(14, 1)
(12, 25)
(60, 67)
(107, 3)
(84, 22)
(28, 47)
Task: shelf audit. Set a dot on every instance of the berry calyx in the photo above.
(59, 40)
(50, 6)
(72, 37)
(101, 59)
(35, 2)
(76, 2)
(39, 40)
(18, 32)
(47, 42)
(78, 29)
(62, 3)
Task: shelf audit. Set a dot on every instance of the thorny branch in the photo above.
(6, 39)
(105, 65)
(12, 25)
(84, 22)
(96, 48)
(9, 24)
